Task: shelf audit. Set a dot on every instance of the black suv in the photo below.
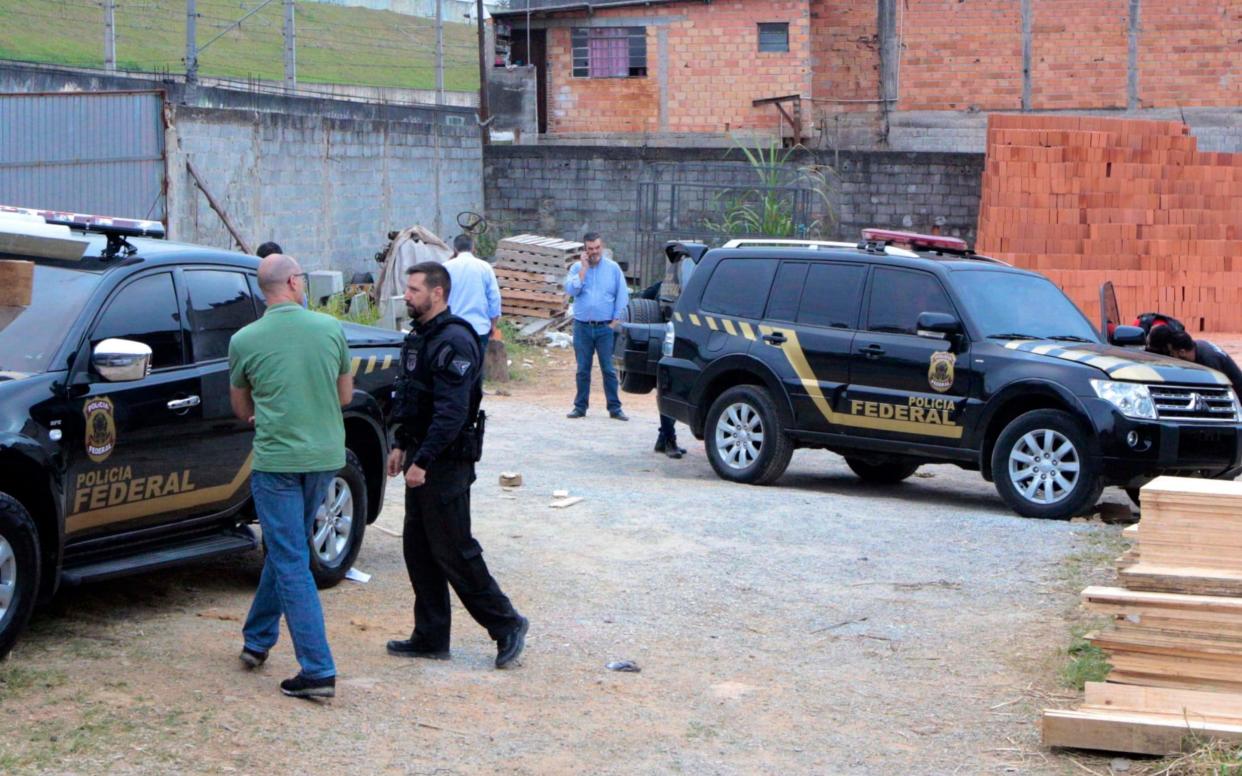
(909, 349)
(119, 451)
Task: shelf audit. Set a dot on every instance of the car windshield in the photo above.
(1009, 306)
(30, 335)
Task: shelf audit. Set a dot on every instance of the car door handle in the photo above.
(184, 404)
(775, 338)
(872, 351)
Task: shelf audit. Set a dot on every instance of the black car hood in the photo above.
(358, 335)
(1137, 366)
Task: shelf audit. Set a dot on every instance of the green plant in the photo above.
(338, 307)
(769, 208)
(1087, 662)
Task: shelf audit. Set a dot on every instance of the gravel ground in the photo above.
(817, 626)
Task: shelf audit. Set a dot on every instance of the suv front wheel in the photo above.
(1042, 466)
(744, 439)
(19, 569)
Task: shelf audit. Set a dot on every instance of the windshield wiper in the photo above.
(1069, 338)
(1015, 336)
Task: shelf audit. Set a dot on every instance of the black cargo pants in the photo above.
(440, 551)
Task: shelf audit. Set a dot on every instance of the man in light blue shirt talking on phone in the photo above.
(600, 296)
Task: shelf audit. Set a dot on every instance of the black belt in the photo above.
(596, 323)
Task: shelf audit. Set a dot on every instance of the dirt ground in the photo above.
(817, 626)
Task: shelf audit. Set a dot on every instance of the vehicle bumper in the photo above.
(1163, 447)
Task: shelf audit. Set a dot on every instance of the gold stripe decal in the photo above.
(797, 359)
(1137, 373)
(747, 332)
(354, 364)
(155, 506)
(370, 365)
(387, 362)
(677, 317)
(728, 326)
(694, 319)
(711, 322)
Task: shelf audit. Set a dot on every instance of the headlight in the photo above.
(667, 348)
(1132, 399)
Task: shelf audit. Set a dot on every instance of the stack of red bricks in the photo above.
(1083, 200)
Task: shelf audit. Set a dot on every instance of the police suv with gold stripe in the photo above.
(907, 349)
(119, 451)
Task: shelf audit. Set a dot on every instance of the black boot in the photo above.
(660, 444)
(671, 449)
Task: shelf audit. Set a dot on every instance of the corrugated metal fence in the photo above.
(100, 153)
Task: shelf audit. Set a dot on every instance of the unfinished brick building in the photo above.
(913, 75)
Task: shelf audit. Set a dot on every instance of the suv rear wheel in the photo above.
(19, 569)
(336, 535)
(1042, 467)
(744, 439)
(881, 472)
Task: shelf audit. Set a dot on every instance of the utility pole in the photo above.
(191, 42)
(109, 7)
(291, 49)
(484, 113)
(439, 52)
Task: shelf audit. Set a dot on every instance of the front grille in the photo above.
(1181, 403)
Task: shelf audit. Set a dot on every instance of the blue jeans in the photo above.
(589, 339)
(287, 504)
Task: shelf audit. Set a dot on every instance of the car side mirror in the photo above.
(120, 360)
(937, 325)
(1128, 335)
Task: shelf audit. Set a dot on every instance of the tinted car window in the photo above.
(831, 295)
(898, 297)
(739, 287)
(260, 302)
(31, 334)
(786, 291)
(220, 304)
(145, 311)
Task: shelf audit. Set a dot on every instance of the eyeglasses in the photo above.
(302, 275)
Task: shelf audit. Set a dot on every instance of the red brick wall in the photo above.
(715, 71)
(1190, 53)
(1079, 54)
(959, 55)
(845, 54)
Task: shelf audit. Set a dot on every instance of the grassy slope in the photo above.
(335, 44)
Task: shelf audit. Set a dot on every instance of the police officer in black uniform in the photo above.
(438, 442)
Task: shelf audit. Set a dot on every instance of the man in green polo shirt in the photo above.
(290, 374)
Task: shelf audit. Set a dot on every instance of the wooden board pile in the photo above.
(1176, 650)
(1085, 199)
(530, 270)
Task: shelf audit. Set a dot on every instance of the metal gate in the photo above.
(99, 153)
(689, 201)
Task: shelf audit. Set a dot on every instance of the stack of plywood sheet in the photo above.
(530, 270)
(1176, 650)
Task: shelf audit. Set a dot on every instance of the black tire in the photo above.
(19, 569)
(1084, 488)
(1133, 493)
(759, 416)
(328, 572)
(640, 311)
(881, 472)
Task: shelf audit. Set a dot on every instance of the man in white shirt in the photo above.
(474, 294)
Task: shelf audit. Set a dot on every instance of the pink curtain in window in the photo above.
(609, 52)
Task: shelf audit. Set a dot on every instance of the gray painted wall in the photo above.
(566, 190)
(327, 179)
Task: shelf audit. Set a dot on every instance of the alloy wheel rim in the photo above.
(739, 435)
(334, 522)
(1044, 466)
(8, 576)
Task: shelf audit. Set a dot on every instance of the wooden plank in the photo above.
(1218, 706)
(1133, 732)
(536, 297)
(1153, 577)
(1174, 601)
(1127, 676)
(16, 283)
(1190, 486)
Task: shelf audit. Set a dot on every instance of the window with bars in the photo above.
(610, 52)
(774, 36)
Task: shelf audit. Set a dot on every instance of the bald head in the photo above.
(280, 279)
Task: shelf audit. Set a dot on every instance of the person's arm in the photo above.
(652, 291)
(345, 389)
(492, 289)
(345, 368)
(453, 368)
(1232, 372)
(243, 403)
(622, 298)
(573, 281)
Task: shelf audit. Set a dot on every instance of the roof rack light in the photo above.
(123, 227)
(916, 241)
(26, 235)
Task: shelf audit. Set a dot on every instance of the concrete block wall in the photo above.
(566, 190)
